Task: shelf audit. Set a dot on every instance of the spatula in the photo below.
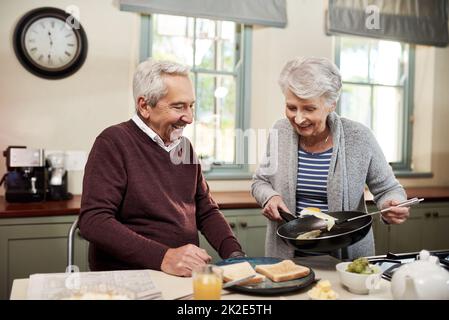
(406, 203)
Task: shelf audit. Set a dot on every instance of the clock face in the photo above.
(51, 43)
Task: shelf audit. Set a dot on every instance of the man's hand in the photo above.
(271, 208)
(395, 215)
(237, 254)
(181, 261)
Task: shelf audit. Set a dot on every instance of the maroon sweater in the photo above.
(137, 203)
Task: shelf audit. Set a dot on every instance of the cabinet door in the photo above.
(436, 232)
(210, 250)
(409, 236)
(81, 252)
(381, 236)
(36, 245)
(251, 234)
(249, 226)
(380, 231)
(426, 228)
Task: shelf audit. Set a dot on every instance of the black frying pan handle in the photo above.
(286, 216)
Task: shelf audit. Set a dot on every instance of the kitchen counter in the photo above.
(225, 200)
(323, 266)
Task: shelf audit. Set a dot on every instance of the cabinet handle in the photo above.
(427, 214)
(232, 225)
(243, 224)
(436, 214)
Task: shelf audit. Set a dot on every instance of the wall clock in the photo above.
(47, 46)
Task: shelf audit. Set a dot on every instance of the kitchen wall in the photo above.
(68, 114)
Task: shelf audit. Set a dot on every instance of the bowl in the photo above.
(356, 282)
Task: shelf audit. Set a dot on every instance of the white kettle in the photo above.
(423, 279)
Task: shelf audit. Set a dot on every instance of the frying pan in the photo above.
(339, 236)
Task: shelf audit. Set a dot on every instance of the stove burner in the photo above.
(390, 262)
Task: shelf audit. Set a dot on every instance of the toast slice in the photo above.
(240, 270)
(283, 271)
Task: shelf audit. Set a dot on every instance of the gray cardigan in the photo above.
(356, 160)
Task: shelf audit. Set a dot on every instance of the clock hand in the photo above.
(51, 41)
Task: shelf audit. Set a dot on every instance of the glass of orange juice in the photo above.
(207, 282)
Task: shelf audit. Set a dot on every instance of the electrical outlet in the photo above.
(75, 160)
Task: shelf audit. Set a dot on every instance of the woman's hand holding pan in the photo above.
(271, 208)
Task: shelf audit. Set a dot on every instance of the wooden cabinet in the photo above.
(380, 231)
(426, 228)
(36, 245)
(249, 226)
(436, 234)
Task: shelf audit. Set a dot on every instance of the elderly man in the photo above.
(141, 207)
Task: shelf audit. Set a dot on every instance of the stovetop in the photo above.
(390, 262)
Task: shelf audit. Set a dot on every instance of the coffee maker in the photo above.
(30, 177)
(26, 177)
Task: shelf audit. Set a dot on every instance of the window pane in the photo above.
(227, 46)
(388, 121)
(225, 94)
(170, 25)
(215, 117)
(173, 39)
(205, 44)
(387, 63)
(355, 103)
(215, 45)
(354, 59)
(211, 45)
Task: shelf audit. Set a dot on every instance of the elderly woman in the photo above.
(321, 159)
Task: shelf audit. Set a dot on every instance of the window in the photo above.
(217, 52)
(377, 91)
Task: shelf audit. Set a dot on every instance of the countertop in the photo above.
(323, 266)
(225, 200)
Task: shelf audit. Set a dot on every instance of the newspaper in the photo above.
(128, 284)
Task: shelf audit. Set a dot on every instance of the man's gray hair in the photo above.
(311, 78)
(148, 82)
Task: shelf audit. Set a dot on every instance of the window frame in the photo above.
(243, 83)
(404, 166)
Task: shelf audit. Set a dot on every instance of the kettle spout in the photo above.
(410, 292)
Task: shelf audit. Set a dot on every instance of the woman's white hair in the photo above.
(148, 82)
(311, 77)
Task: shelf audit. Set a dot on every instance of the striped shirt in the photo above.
(311, 183)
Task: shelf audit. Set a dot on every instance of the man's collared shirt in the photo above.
(153, 135)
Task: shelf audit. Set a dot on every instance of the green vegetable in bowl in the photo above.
(361, 265)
